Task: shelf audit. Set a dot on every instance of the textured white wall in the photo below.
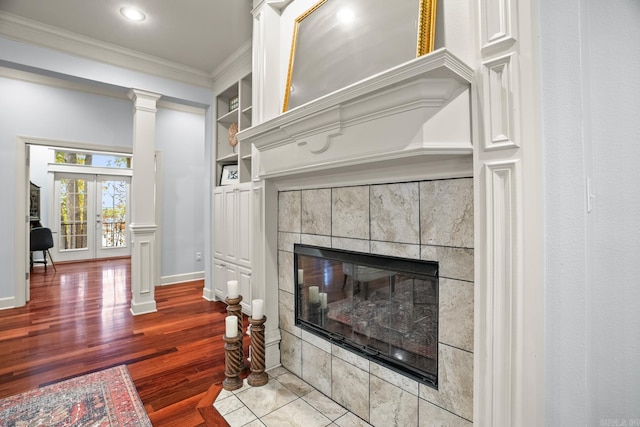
(591, 130)
(614, 64)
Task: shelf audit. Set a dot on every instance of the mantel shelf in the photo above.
(420, 108)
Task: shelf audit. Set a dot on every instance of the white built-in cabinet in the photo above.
(232, 243)
(233, 215)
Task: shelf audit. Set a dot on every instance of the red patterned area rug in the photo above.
(101, 399)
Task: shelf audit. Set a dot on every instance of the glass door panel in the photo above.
(73, 213)
(113, 216)
(90, 216)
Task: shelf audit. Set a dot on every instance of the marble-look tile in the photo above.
(434, 416)
(446, 212)
(316, 211)
(312, 239)
(291, 353)
(350, 357)
(240, 417)
(401, 250)
(285, 271)
(456, 313)
(455, 382)
(351, 420)
(324, 405)
(254, 423)
(405, 383)
(350, 388)
(224, 394)
(286, 314)
(392, 406)
(316, 367)
(267, 398)
(277, 371)
(286, 241)
(228, 405)
(350, 212)
(289, 211)
(245, 386)
(319, 342)
(395, 213)
(454, 263)
(295, 414)
(354, 245)
(295, 384)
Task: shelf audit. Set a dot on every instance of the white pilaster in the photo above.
(509, 290)
(266, 102)
(143, 203)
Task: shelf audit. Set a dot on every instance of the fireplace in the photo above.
(376, 168)
(380, 307)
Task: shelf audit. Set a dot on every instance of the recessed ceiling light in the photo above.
(132, 14)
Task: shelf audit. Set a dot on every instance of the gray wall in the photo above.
(591, 102)
(180, 138)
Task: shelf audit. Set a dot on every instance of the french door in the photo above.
(90, 216)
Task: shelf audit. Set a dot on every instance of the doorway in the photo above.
(90, 213)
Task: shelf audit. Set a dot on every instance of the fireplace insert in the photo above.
(380, 307)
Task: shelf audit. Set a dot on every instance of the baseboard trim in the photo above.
(181, 278)
(7, 303)
(209, 294)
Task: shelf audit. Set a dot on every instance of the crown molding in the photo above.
(165, 103)
(235, 60)
(33, 32)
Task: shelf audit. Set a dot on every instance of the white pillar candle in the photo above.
(314, 297)
(231, 326)
(257, 309)
(300, 276)
(232, 289)
(323, 300)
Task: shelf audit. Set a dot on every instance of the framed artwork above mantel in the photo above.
(339, 42)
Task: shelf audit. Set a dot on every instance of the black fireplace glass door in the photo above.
(367, 303)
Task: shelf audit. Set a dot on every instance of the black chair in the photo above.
(40, 239)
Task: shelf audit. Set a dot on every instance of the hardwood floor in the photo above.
(78, 321)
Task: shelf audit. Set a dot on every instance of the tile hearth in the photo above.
(285, 401)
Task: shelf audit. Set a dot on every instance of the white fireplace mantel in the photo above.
(411, 116)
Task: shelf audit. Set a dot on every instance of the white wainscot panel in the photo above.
(499, 104)
(498, 25)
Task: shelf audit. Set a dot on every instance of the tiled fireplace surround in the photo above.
(431, 220)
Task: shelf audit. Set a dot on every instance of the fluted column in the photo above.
(143, 203)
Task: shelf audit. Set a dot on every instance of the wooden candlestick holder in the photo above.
(232, 363)
(234, 309)
(257, 377)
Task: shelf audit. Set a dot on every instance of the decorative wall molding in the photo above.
(28, 31)
(497, 25)
(499, 297)
(500, 102)
(509, 310)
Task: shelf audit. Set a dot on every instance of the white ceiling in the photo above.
(200, 34)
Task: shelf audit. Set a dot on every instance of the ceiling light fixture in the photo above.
(133, 14)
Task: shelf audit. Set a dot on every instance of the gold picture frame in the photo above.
(329, 52)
